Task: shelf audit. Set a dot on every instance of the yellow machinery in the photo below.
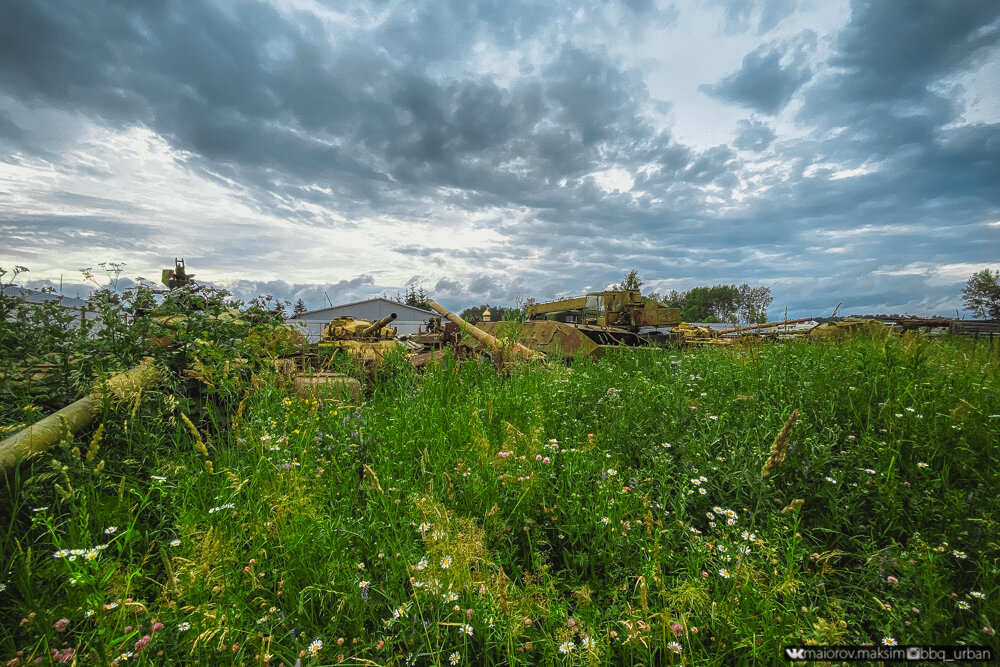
(625, 309)
(363, 340)
(589, 325)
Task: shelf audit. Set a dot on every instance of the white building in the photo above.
(409, 320)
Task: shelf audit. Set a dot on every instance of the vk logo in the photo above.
(795, 653)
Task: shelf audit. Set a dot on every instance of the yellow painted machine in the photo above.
(589, 325)
(363, 340)
(625, 309)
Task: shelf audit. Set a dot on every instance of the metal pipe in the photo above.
(765, 325)
(486, 339)
(44, 434)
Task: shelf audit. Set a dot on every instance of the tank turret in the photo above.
(364, 340)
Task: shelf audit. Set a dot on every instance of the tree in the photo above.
(694, 309)
(475, 313)
(720, 303)
(631, 281)
(300, 307)
(981, 294)
(753, 303)
(417, 298)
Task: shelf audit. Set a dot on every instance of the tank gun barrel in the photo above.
(376, 326)
(486, 339)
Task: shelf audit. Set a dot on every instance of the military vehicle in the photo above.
(498, 348)
(364, 340)
(312, 367)
(591, 324)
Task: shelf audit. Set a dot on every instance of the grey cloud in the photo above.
(710, 166)
(450, 287)
(889, 57)
(753, 135)
(740, 15)
(484, 285)
(9, 130)
(890, 50)
(769, 76)
(44, 230)
(390, 119)
(313, 295)
(271, 104)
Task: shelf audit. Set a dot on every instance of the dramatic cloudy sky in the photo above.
(485, 149)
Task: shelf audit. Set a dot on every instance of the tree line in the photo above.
(742, 304)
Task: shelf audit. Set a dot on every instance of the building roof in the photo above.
(394, 304)
(36, 296)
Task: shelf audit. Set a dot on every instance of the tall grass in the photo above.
(611, 513)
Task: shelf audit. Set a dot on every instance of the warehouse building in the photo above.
(409, 320)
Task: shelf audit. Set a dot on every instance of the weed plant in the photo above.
(593, 514)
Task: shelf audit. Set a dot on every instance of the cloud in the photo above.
(533, 152)
(753, 135)
(769, 76)
(882, 84)
(742, 15)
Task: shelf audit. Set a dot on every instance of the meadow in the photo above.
(696, 506)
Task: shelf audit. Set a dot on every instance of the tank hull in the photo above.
(567, 340)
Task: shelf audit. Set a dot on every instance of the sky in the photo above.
(498, 150)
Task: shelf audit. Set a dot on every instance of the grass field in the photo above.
(610, 513)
